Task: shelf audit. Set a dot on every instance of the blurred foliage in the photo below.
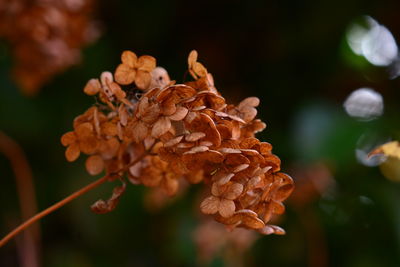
(293, 56)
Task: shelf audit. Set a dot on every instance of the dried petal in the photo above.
(109, 148)
(92, 87)
(199, 69)
(192, 58)
(250, 101)
(271, 229)
(226, 208)
(186, 145)
(223, 178)
(106, 78)
(68, 138)
(173, 141)
(72, 152)
(94, 165)
(129, 58)
(101, 206)
(233, 191)
(249, 219)
(180, 114)
(240, 168)
(283, 192)
(193, 137)
(125, 74)
(159, 78)
(140, 131)
(197, 149)
(109, 129)
(226, 150)
(161, 127)
(123, 115)
(84, 130)
(143, 79)
(89, 144)
(146, 63)
(210, 205)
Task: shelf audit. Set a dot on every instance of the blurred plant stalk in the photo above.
(109, 177)
(29, 245)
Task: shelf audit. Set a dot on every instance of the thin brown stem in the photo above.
(66, 200)
(28, 247)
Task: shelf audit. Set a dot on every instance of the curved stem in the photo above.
(28, 247)
(52, 208)
(66, 200)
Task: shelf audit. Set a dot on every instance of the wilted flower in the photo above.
(134, 69)
(46, 37)
(175, 132)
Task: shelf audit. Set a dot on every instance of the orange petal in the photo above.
(109, 148)
(272, 229)
(129, 58)
(222, 177)
(180, 114)
(94, 164)
(89, 145)
(124, 74)
(248, 113)
(174, 141)
(250, 101)
(109, 129)
(193, 137)
(252, 222)
(192, 58)
(162, 126)
(143, 79)
(226, 208)
(236, 159)
(168, 107)
(123, 115)
(250, 219)
(84, 130)
(199, 69)
(140, 131)
(210, 205)
(233, 191)
(240, 168)
(146, 63)
(72, 152)
(68, 138)
(92, 87)
(117, 91)
(284, 191)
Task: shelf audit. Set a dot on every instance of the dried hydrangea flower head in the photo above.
(151, 131)
(45, 37)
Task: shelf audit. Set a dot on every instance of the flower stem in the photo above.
(66, 200)
(52, 208)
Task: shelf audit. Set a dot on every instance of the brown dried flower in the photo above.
(176, 132)
(45, 37)
(134, 69)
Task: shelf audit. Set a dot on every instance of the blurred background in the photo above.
(303, 59)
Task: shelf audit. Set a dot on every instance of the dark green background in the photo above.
(292, 55)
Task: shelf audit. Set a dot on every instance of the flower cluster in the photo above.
(157, 132)
(45, 36)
